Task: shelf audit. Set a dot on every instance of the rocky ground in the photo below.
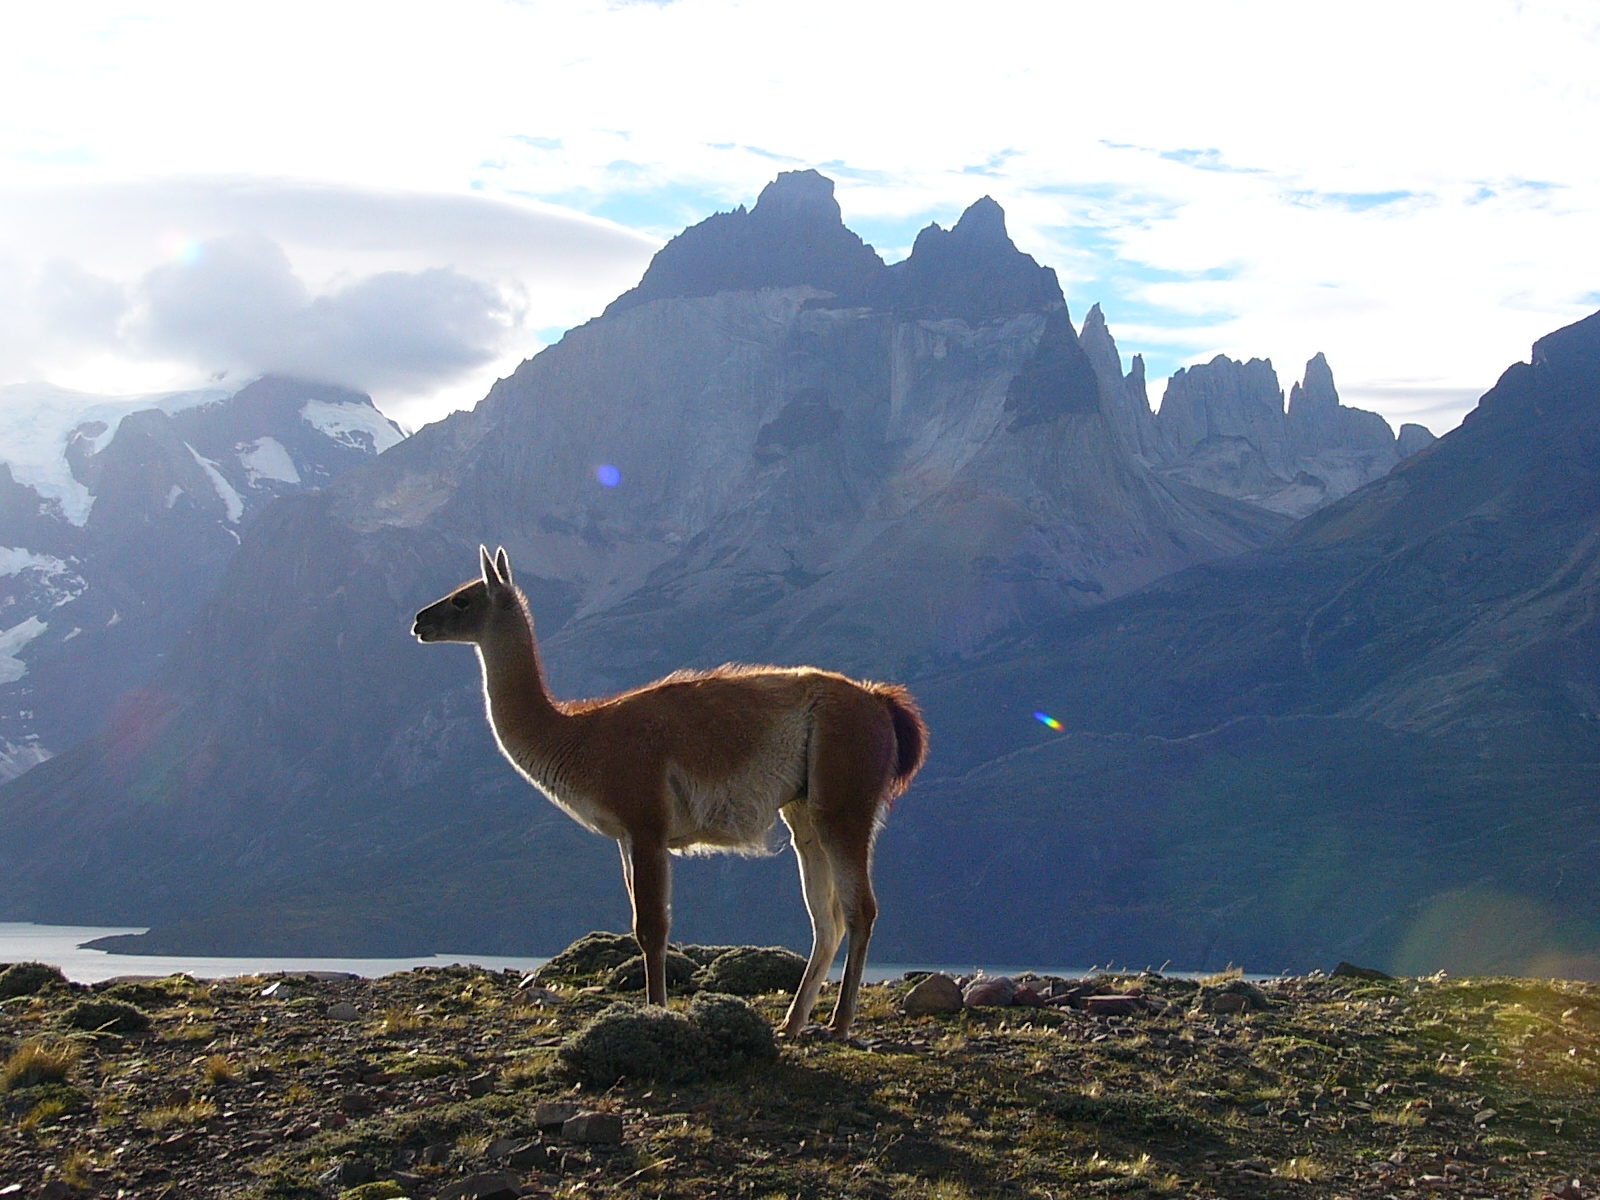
(448, 1083)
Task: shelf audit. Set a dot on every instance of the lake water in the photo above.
(60, 945)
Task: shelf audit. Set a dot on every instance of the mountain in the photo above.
(1377, 738)
(1373, 733)
(1223, 426)
(117, 517)
(875, 468)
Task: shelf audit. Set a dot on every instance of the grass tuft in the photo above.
(42, 1060)
(183, 1114)
(218, 1068)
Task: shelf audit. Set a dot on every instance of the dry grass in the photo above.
(42, 1060)
(1304, 1169)
(400, 1020)
(1227, 975)
(185, 1114)
(218, 1069)
(42, 1113)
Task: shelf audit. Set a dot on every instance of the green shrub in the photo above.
(25, 979)
(720, 1034)
(753, 971)
(739, 1032)
(589, 955)
(107, 1016)
(629, 976)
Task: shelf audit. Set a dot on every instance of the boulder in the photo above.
(485, 1185)
(551, 1115)
(936, 993)
(987, 992)
(343, 1011)
(600, 1128)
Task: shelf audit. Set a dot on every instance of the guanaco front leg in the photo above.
(648, 868)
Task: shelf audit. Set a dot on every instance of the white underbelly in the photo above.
(737, 811)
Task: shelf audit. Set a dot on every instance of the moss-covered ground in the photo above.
(1413, 1087)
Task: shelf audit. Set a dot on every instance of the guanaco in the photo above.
(703, 761)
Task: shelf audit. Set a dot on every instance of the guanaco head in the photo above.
(469, 614)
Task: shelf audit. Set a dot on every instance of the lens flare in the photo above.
(1047, 719)
(608, 475)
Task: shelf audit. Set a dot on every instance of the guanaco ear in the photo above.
(490, 576)
(502, 566)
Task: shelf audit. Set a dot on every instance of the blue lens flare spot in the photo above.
(608, 475)
(1047, 719)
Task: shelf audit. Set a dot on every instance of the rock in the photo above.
(277, 991)
(596, 1128)
(481, 1085)
(551, 1115)
(1350, 971)
(753, 971)
(352, 1172)
(355, 1104)
(529, 992)
(1027, 996)
(485, 1185)
(533, 1154)
(1247, 997)
(343, 1011)
(935, 994)
(986, 992)
(1123, 1005)
(1484, 1117)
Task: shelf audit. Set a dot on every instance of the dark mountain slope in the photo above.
(1380, 736)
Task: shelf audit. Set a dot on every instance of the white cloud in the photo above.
(420, 299)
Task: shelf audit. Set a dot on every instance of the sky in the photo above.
(412, 198)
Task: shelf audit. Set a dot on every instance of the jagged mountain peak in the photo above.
(798, 196)
(794, 236)
(1317, 389)
(972, 271)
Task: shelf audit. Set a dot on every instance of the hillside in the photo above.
(448, 1083)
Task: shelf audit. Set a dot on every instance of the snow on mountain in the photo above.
(38, 422)
(359, 426)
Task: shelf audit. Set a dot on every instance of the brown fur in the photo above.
(704, 760)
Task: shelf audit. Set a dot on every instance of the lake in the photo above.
(60, 945)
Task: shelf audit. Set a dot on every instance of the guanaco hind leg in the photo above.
(852, 876)
(827, 918)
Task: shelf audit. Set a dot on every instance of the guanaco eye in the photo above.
(461, 601)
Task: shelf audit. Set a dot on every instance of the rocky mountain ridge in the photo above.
(103, 569)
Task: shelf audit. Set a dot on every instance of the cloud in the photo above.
(420, 299)
(234, 304)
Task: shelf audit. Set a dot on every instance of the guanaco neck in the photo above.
(525, 718)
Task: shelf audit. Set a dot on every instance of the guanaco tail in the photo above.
(707, 761)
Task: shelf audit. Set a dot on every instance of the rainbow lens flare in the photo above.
(1047, 719)
(608, 475)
